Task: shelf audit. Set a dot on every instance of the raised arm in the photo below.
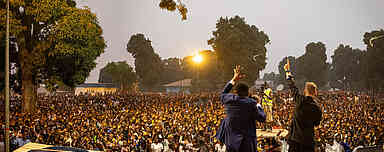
(225, 96)
(291, 84)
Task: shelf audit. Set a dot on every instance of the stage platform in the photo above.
(34, 147)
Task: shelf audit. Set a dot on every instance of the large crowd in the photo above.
(124, 122)
(156, 122)
(349, 119)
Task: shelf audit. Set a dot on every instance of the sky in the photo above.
(290, 25)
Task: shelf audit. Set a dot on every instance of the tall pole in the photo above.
(7, 82)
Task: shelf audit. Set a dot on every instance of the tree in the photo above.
(238, 43)
(172, 70)
(333, 82)
(205, 75)
(118, 73)
(347, 66)
(56, 42)
(374, 58)
(312, 65)
(171, 5)
(148, 65)
(2, 65)
(292, 62)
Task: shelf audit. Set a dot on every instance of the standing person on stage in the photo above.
(267, 106)
(306, 116)
(238, 129)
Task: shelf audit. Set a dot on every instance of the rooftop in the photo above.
(96, 85)
(180, 83)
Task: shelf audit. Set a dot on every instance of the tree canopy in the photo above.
(148, 64)
(347, 66)
(374, 59)
(172, 70)
(238, 43)
(312, 66)
(119, 73)
(171, 5)
(56, 42)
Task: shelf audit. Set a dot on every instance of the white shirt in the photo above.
(220, 148)
(166, 145)
(157, 147)
(181, 148)
(189, 147)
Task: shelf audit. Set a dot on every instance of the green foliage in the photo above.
(57, 42)
(148, 65)
(236, 43)
(171, 5)
(347, 66)
(118, 73)
(374, 59)
(77, 43)
(65, 40)
(312, 65)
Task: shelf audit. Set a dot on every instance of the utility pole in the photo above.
(7, 82)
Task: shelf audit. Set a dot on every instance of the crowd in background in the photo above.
(121, 122)
(143, 122)
(349, 119)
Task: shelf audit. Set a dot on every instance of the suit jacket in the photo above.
(239, 123)
(306, 116)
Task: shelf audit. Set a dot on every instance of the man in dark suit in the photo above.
(238, 129)
(306, 116)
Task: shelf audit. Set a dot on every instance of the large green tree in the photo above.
(347, 66)
(238, 43)
(56, 42)
(148, 65)
(119, 73)
(312, 65)
(374, 58)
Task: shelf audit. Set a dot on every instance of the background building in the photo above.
(179, 86)
(95, 88)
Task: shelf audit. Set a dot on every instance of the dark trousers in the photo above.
(297, 147)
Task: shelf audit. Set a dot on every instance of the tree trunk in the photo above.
(29, 95)
(29, 91)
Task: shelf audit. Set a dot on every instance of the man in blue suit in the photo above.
(238, 129)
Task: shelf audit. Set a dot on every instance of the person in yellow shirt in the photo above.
(267, 106)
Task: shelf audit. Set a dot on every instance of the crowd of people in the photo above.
(143, 122)
(127, 122)
(349, 119)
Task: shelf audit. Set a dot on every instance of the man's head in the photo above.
(310, 89)
(241, 89)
